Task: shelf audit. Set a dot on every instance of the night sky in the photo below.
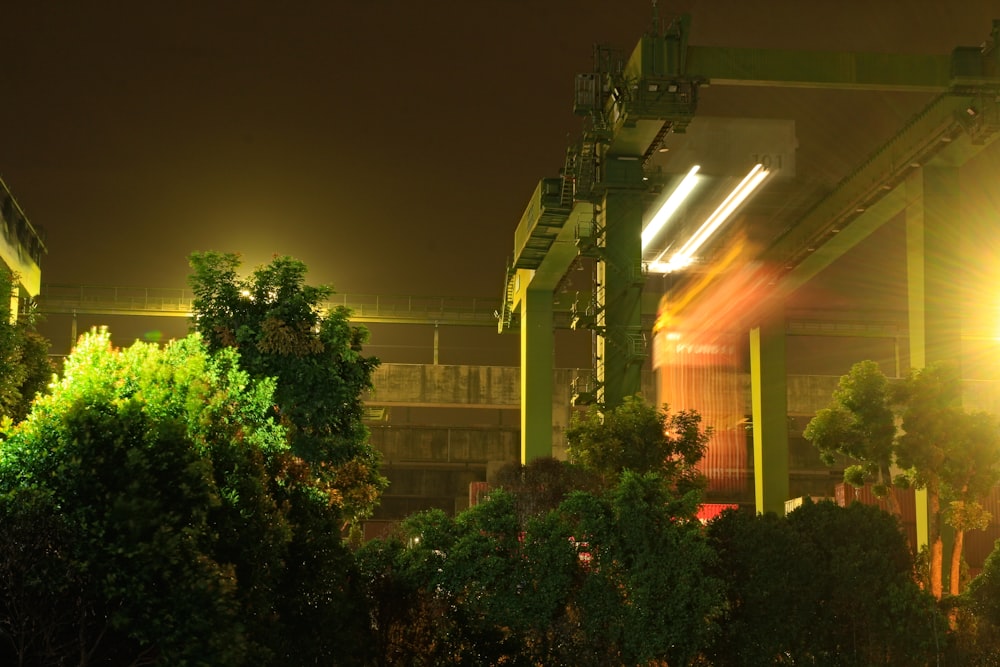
(392, 146)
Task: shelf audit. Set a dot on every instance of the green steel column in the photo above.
(620, 287)
(934, 280)
(769, 397)
(537, 351)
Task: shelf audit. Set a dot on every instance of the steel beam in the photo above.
(769, 405)
(537, 362)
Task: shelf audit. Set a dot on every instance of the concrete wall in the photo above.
(432, 464)
(468, 386)
(413, 444)
(446, 386)
(483, 387)
(807, 394)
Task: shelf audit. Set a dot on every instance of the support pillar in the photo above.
(621, 340)
(935, 283)
(769, 398)
(537, 361)
(437, 341)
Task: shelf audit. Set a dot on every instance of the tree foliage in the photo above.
(918, 427)
(640, 438)
(539, 486)
(612, 578)
(978, 638)
(25, 369)
(281, 328)
(44, 608)
(170, 517)
(952, 453)
(824, 586)
(860, 425)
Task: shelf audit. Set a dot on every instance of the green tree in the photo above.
(45, 614)
(916, 426)
(653, 563)
(872, 611)
(178, 511)
(615, 578)
(842, 580)
(970, 472)
(282, 329)
(931, 400)
(539, 486)
(138, 496)
(638, 437)
(25, 369)
(765, 568)
(415, 617)
(952, 453)
(978, 639)
(860, 424)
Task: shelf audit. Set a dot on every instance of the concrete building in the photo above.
(21, 248)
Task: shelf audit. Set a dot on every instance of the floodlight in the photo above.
(670, 206)
(685, 255)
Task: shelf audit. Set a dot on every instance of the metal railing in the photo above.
(173, 302)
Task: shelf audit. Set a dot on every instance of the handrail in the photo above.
(175, 302)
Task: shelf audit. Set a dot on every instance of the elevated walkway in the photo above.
(21, 245)
(55, 299)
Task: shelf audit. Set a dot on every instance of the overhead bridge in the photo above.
(172, 302)
(56, 299)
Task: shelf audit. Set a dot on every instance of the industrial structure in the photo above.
(735, 259)
(21, 249)
(708, 247)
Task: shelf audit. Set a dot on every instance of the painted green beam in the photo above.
(564, 249)
(537, 362)
(548, 271)
(621, 345)
(936, 135)
(543, 219)
(935, 281)
(776, 68)
(662, 57)
(769, 405)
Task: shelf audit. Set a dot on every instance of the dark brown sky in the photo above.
(390, 145)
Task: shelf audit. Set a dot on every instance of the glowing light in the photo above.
(685, 256)
(670, 206)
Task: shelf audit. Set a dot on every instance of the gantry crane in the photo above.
(595, 207)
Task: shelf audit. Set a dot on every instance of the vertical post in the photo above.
(436, 341)
(537, 352)
(769, 398)
(620, 292)
(935, 282)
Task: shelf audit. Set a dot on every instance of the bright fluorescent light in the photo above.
(685, 255)
(669, 207)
